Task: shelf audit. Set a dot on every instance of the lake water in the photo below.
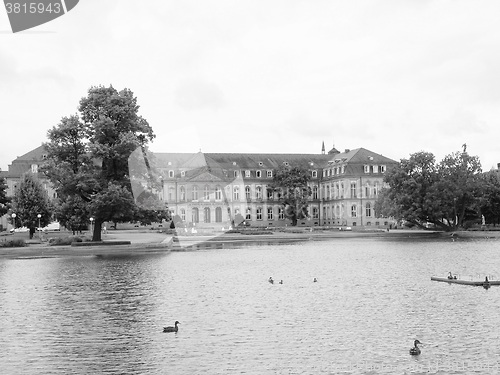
(86, 315)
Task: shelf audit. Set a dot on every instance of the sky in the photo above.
(394, 76)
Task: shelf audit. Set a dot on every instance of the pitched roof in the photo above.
(360, 156)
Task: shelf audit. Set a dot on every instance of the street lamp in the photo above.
(13, 221)
(91, 225)
(39, 216)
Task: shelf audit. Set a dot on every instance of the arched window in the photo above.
(206, 193)
(259, 213)
(258, 192)
(315, 192)
(183, 214)
(248, 193)
(195, 215)
(236, 193)
(248, 215)
(368, 209)
(195, 193)
(218, 193)
(354, 211)
(183, 193)
(206, 215)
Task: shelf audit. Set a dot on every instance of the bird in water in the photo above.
(171, 329)
(271, 280)
(315, 280)
(281, 282)
(415, 350)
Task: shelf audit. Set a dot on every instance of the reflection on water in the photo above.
(372, 299)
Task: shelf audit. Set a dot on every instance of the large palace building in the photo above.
(213, 189)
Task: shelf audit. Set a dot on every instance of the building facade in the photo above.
(225, 189)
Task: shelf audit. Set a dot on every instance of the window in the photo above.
(218, 215)
(353, 189)
(183, 173)
(259, 213)
(368, 209)
(170, 194)
(258, 174)
(270, 194)
(324, 172)
(367, 169)
(337, 187)
(341, 190)
(218, 193)
(315, 213)
(327, 191)
(375, 169)
(34, 168)
(195, 193)
(183, 193)
(195, 215)
(375, 190)
(354, 210)
(236, 193)
(328, 172)
(281, 213)
(258, 192)
(248, 193)
(206, 215)
(261, 163)
(382, 169)
(44, 156)
(367, 191)
(343, 169)
(206, 193)
(183, 214)
(269, 213)
(248, 214)
(314, 174)
(235, 173)
(315, 192)
(171, 174)
(247, 174)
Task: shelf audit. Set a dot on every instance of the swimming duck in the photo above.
(415, 350)
(171, 329)
(271, 280)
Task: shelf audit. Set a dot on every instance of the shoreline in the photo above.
(141, 243)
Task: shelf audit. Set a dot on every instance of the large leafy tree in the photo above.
(30, 200)
(490, 197)
(291, 183)
(4, 200)
(422, 191)
(89, 155)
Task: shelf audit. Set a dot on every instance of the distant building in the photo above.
(215, 189)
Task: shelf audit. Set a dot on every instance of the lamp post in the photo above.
(92, 225)
(13, 221)
(39, 229)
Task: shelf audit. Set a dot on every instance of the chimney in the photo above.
(347, 150)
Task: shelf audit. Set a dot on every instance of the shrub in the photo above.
(16, 242)
(68, 240)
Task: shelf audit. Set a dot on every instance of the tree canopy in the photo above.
(88, 158)
(4, 200)
(291, 184)
(421, 191)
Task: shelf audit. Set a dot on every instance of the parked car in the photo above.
(52, 227)
(18, 230)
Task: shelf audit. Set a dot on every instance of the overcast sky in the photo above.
(395, 77)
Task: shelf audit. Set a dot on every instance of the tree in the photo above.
(88, 155)
(291, 183)
(4, 200)
(29, 201)
(489, 201)
(421, 191)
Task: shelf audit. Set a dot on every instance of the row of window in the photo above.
(341, 170)
(335, 191)
(336, 212)
(248, 174)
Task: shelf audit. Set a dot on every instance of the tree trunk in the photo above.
(96, 236)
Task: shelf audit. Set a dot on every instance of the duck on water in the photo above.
(171, 329)
(415, 350)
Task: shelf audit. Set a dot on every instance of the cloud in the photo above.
(198, 94)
